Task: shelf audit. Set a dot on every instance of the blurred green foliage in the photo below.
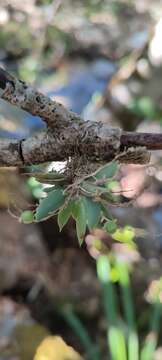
(123, 337)
(145, 107)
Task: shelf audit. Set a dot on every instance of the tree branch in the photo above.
(67, 135)
(18, 93)
(149, 140)
(95, 141)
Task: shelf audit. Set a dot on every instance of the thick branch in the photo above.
(18, 93)
(67, 134)
(96, 141)
(48, 147)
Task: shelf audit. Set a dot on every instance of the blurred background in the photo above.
(103, 60)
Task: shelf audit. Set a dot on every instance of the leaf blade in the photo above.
(80, 217)
(49, 205)
(64, 214)
(107, 171)
(93, 212)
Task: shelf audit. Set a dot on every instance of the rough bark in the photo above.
(18, 93)
(95, 141)
(67, 135)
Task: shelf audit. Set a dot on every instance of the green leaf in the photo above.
(115, 335)
(106, 212)
(93, 212)
(49, 189)
(52, 177)
(79, 215)
(107, 171)
(117, 343)
(128, 306)
(75, 208)
(48, 206)
(93, 189)
(103, 269)
(64, 214)
(72, 319)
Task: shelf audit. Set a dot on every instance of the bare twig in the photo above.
(134, 139)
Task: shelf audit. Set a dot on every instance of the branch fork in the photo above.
(67, 134)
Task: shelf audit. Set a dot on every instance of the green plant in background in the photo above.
(92, 350)
(127, 340)
(151, 340)
(29, 68)
(124, 342)
(145, 107)
(115, 335)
